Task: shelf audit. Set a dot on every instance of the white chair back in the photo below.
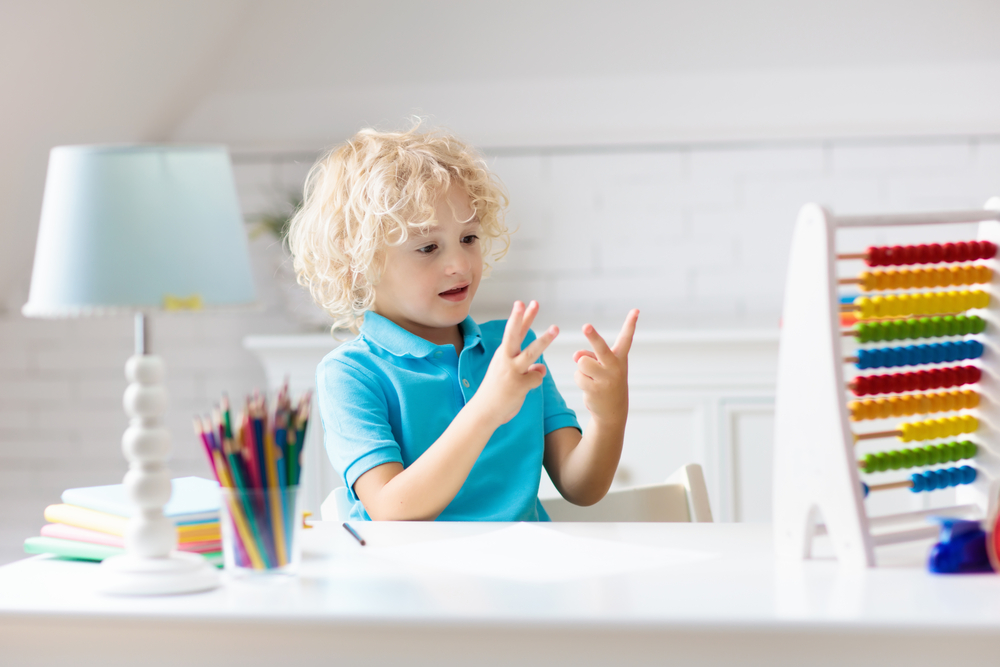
(682, 498)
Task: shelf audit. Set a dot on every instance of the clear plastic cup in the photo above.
(260, 531)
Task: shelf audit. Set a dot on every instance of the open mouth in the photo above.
(456, 293)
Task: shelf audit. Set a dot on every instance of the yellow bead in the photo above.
(908, 431)
(983, 299)
(970, 424)
(866, 306)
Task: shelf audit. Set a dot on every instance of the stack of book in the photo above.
(90, 522)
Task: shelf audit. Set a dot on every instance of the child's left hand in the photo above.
(602, 374)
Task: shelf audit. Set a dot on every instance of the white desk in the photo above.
(351, 608)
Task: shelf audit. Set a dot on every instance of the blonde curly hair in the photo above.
(373, 192)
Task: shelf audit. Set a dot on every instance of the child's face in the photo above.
(428, 282)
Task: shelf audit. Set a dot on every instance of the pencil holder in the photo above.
(260, 530)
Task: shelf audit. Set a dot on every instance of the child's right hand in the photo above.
(513, 372)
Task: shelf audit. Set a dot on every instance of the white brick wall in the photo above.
(692, 235)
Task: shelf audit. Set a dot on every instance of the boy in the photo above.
(428, 415)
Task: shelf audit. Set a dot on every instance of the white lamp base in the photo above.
(177, 573)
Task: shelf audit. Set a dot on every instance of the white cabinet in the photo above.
(695, 396)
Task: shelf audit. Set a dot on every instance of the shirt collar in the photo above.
(398, 341)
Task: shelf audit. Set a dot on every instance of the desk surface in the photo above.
(737, 607)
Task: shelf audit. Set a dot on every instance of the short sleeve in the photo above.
(557, 414)
(355, 418)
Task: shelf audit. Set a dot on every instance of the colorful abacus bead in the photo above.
(918, 457)
(931, 429)
(924, 327)
(932, 378)
(942, 276)
(932, 480)
(913, 355)
(923, 303)
(930, 254)
(913, 404)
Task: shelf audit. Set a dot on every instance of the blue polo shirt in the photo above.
(388, 395)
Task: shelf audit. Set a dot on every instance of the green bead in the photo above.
(937, 327)
(869, 463)
(920, 456)
(978, 324)
(962, 325)
(951, 452)
(933, 455)
(924, 327)
(895, 460)
(911, 328)
(884, 331)
(968, 449)
(949, 325)
(881, 462)
(899, 329)
(908, 456)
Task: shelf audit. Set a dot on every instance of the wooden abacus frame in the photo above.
(816, 472)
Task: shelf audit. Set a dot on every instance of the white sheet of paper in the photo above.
(526, 552)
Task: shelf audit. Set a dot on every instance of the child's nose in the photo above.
(458, 262)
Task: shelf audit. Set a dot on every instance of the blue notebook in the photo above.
(192, 500)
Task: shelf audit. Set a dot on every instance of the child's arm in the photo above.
(429, 484)
(582, 467)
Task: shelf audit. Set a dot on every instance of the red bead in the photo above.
(874, 256)
(901, 382)
(923, 254)
(975, 250)
(973, 375)
(934, 253)
(989, 250)
(910, 253)
(924, 380)
(962, 252)
(896, 255)
(948, 377)
(949, 252)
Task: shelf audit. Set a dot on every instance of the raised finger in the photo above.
(580, 354)
(512, 330)
(624, 341)
(531, 353)
(529, 318)
(589, 367)
(601, 349)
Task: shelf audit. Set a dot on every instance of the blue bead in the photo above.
(864, 489)
(975, 349)
(939, 352)
(968, 474)
(953, 477)
(919, 483)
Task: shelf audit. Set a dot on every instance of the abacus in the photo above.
(939, 381)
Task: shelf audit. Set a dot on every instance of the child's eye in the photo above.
(471, 238)
(427, 249)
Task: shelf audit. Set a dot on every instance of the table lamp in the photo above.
(141, 229)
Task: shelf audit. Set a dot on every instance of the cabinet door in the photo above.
(746, 458)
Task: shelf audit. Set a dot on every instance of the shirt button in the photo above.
(465, 383)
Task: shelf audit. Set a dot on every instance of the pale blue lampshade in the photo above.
(129, 228)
